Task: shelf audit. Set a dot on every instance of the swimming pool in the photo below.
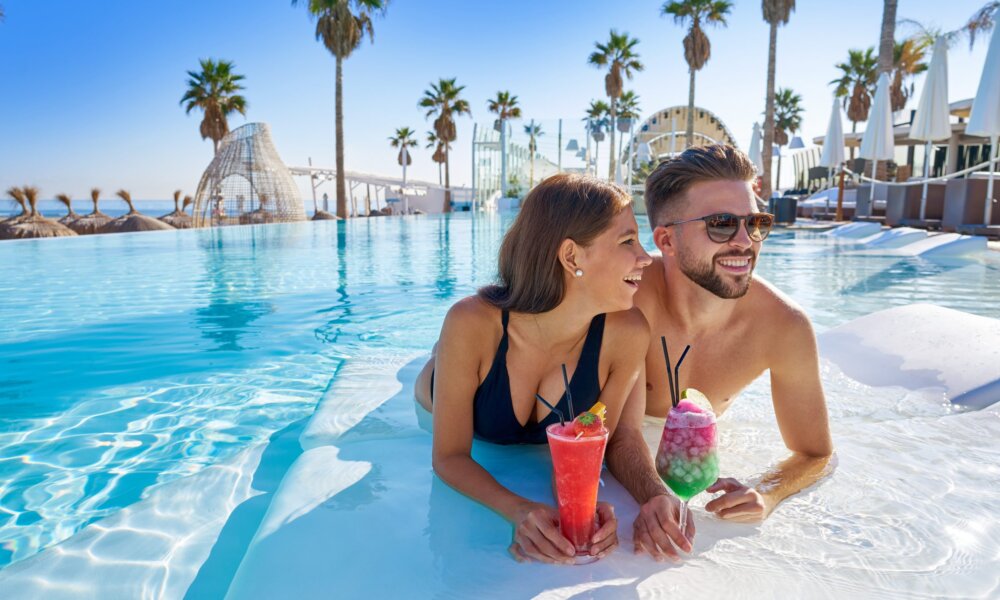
(158, 389)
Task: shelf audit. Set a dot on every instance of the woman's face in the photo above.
(612, 265)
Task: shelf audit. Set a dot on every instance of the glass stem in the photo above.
(684, 518)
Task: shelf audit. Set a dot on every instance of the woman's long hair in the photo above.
(562, 206)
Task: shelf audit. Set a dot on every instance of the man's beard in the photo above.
(705, 275)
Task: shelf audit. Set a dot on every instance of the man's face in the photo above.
(725, 269)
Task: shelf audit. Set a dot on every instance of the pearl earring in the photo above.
(578, 272)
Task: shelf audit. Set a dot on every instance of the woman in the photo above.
(569, 267)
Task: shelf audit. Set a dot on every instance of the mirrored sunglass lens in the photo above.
(758, 226)
(721, 228)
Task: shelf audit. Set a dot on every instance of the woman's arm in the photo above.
(456, 377)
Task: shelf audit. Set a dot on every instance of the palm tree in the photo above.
(982, 21)
(534, 132)
(887, 38)
(595, 120)
(787, 120)
(341, 25)
(404, 141)
(697, 48)
(907, 62)
(438, 156)
(628, 112)
(505, 107)
(214, 91)
(442, 99)
(856, 85)
(618, 54)
(776, 14)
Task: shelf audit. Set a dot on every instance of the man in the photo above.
(703, 292)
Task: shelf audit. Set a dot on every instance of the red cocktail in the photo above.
(576, 461)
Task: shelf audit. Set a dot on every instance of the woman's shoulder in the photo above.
(472, 311)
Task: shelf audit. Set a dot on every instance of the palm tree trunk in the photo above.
(767, 150)
(777, 176)
(611, 154)
(215, 147)
(447, 182)
(888, 36)
(341, 187)
(689, 132)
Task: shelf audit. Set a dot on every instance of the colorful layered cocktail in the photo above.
(577, 455)
(687, 460)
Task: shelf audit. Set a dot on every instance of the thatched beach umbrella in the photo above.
(261, 215)
(322, 215)
(133, 221)
(93, 222)
(18, 196)
(179, 219)
(34, 225)
(70, 215)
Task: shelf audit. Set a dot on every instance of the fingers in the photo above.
(731, 499)
(607, 522)
(518, 554)
(545, 553)
(670, 527)
(651, 538)
(724, 484)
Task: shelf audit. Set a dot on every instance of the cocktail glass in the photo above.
(576, 462)
(687, 459)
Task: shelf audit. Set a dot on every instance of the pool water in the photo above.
(136, 364)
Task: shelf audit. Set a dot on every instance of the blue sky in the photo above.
(91, 90)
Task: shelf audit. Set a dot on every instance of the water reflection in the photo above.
(235, 295)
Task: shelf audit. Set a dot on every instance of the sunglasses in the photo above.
(722, 227)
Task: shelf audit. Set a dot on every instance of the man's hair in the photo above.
(667, 184)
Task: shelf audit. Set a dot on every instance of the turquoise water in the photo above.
(131, 361)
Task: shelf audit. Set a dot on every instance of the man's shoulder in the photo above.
(765, 301)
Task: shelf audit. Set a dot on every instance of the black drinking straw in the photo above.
(670, 371)
(569, 394)
(677, 370)
(673, 373)
(562, 419)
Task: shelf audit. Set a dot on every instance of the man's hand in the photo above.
(739, 503)
(537, 536)
(657, 528)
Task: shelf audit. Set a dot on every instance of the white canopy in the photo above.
(877, 142)
(931, 123)
(833, 143)
(755, 153)
(985, 117)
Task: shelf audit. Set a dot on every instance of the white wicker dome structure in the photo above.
(246, 183)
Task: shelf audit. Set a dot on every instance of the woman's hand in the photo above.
(537, 536)
(739, 503)
(605, 540)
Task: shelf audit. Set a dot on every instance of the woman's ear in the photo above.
(568, 255)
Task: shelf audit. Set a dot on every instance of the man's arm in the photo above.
(656, 527)
(800, 409)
